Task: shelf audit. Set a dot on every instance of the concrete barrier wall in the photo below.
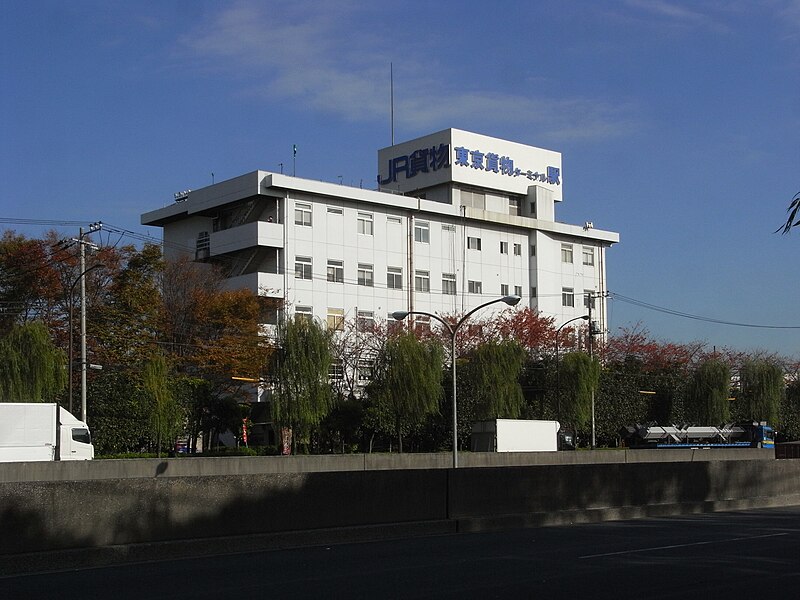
(45, 516)
(38, 516)
(255, 465)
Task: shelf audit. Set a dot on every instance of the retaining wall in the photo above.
(85, 519)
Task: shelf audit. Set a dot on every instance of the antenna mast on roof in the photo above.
(391, 97)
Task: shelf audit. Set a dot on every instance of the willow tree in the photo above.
(300, 367)
(709, 389)
(32, 369)
(762, 390)
(579, 377)
(166, 418)
(407, 387)
(492, 377)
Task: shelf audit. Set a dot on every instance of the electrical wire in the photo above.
(685, 315)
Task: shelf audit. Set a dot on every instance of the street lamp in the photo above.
(453, 330)
(558, 376)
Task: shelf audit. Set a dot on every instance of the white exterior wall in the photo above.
(335, 236)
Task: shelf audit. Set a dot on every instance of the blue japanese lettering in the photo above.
(492, 162)
(506, 165)
(477, 159)
(418, 162)
(462, 156)
(440, 156)
(553, 174)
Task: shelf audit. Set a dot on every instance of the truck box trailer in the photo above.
(42, 432)
(515, 435)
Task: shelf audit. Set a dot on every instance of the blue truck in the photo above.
(739, 435)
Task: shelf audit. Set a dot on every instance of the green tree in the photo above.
(300, 367)
(32, 369)
(708, 393)
(118, 412)
(166, 418)
(790, 412)
(579, 377)
(492, 377)
(762, 389)
(407, 387)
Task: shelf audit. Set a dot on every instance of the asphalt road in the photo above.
(751, 554)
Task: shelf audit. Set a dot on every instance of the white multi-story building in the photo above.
(459, 219)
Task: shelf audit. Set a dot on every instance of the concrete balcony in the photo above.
(265, 284)
(249, 235)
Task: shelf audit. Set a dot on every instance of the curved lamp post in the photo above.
(558, 377)
(453, 330)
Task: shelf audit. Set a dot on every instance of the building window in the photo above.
(336, 370)
(588, 256)
(302, 214)
(365, 320)
(503, 247)
(474, 243)
(518, 290)
(335, 210)
(422, 281)
(394, 278)
(533, 249)
(566, 253)
(302, 267)
(393, 326)
(366, 371)
(203, 246)
(335, 319)
(448, 227)
(336, 271)
(422, 323)
(422, 232)
(304, 313)
(365, 275)
(588, 300)
(475, 287)
(513, 206)
(395, 220)
(504, 289)
(449, 284)
(567, 297)
(533, 291)
(365, 223)
(517, 249)
(533, 208)
(473, 199)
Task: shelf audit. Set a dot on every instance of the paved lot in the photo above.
(746, 554)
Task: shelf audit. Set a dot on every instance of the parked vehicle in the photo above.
(515, 435)
(42, 432)
(741, 435)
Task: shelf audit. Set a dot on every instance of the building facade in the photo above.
(458, 219)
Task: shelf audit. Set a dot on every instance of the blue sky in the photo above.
(678, 122)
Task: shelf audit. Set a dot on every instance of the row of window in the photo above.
(568, 298)
(365, 224)
(567, 254)
(394, 277)
(422, 229)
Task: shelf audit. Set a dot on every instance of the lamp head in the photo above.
(511, 300)
(399, 315)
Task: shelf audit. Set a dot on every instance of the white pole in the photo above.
(83, 327)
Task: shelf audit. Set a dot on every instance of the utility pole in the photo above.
(83, 243)
(593, 330)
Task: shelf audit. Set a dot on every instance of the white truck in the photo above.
(515, 435)
(42, 432)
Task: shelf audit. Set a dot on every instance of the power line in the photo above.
(685, 315)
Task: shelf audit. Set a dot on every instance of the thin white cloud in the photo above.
(312, 56)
